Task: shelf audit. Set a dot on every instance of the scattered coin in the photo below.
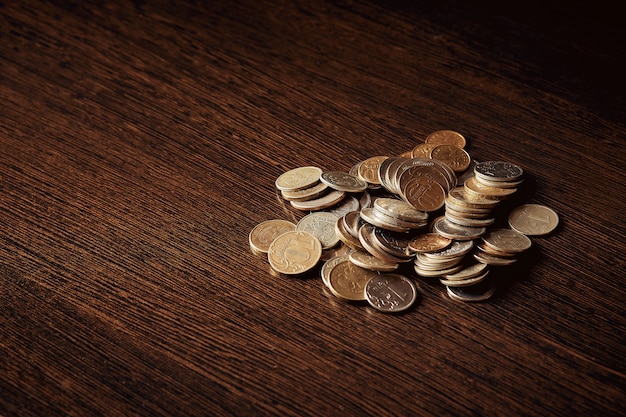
(533, 219)
(390, 293)
(343, 181)
(321, 225)
(294, 252)
(298, 178)
(347, 281)
(446, 137)
(263, 234)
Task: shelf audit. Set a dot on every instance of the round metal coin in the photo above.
(390, 293)
(533, 219)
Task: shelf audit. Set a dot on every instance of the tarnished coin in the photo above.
(343, 181)
(390, 293)
(533, 219)
(456, 158)
(347, 281)
(321, 225)
(369, 261)
(298, 178)
(325, 201)
(474, 293)
(368, 169)
(428, 242)
(263, 234)
(294, 252)
(400, 209)
(424, 194)
(446, 137)
(498, 171)
(507, 240)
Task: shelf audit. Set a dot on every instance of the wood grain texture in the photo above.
(139, 145)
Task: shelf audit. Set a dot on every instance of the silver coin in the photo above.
(390, 293)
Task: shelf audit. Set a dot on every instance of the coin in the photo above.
(428, 242)
(446, 137)
(346, 205)
(393, 243)
(472, 187)
(468, 272)
(370, 244)
(399, 209)
(424, 194)
(321, 225)
(459, 197)
(423, 150)
(507, 240)
(329, 265)
(468, 221)
(454, 231)
(464, 282)
(488, 259)
(349, 240)
(304, 194)
(298, 178)
(456, 158)
(294, 252)
(347, 281)
(533, 219)
(498, 171)
(343, 181)
(390, 293)
(325, 201)
(475, 293)
(368, 261)
(368, 169)
(370, 215)
(264, 233)
(458, 248)
(352, 222)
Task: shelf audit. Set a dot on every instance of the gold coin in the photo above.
(399, 209)
(424, 194)
(329, 265)
(368, 169)
(459, 197)
(507, 240)
(472, 188)
(369, 261)
(347, 281)
(305, 194)
(533, 219)
(446, 137)
(264, 233)
(298, 178)
(294, 252)
(423, 150)
(343, 181)
(321, 225)
(456, 158)
(428, 242)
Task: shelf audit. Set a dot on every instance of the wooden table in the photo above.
(139, 145)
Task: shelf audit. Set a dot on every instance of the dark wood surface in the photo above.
(139, 145)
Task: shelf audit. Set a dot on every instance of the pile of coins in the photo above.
(363, 227)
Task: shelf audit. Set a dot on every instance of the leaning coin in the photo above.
(294, 252)
(533, 219)
(343, 181)
(424, 194)
(325, 201)
(263, 234)
(298, 178)
(507, 240)
(446, 137)
(498, 171)
(368, 169)
(321, 225)
(369, 261)
(390, 293)
(428, 242)
(347, 281)
(456, 158)
(475, 293)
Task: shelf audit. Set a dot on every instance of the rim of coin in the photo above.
(368, 261)
(330, 264)
(494, 260)
(457, 232)
(498, 171)
(304, 194)
(370, 216)
(343, 181)
(436, 273)
(298, 178)
(369, 243)
(295, 252)
(472, 187)
(345, 236)
(368, 169)
(399, 209)
(468, 272)
(533, 219)
(428, 242)
(263, 234)
(390, 293)
(457, 248)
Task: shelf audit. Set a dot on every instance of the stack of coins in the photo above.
(364, 225)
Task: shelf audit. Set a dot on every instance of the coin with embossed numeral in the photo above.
(390, 293)
(533, 219)
(294, 252)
